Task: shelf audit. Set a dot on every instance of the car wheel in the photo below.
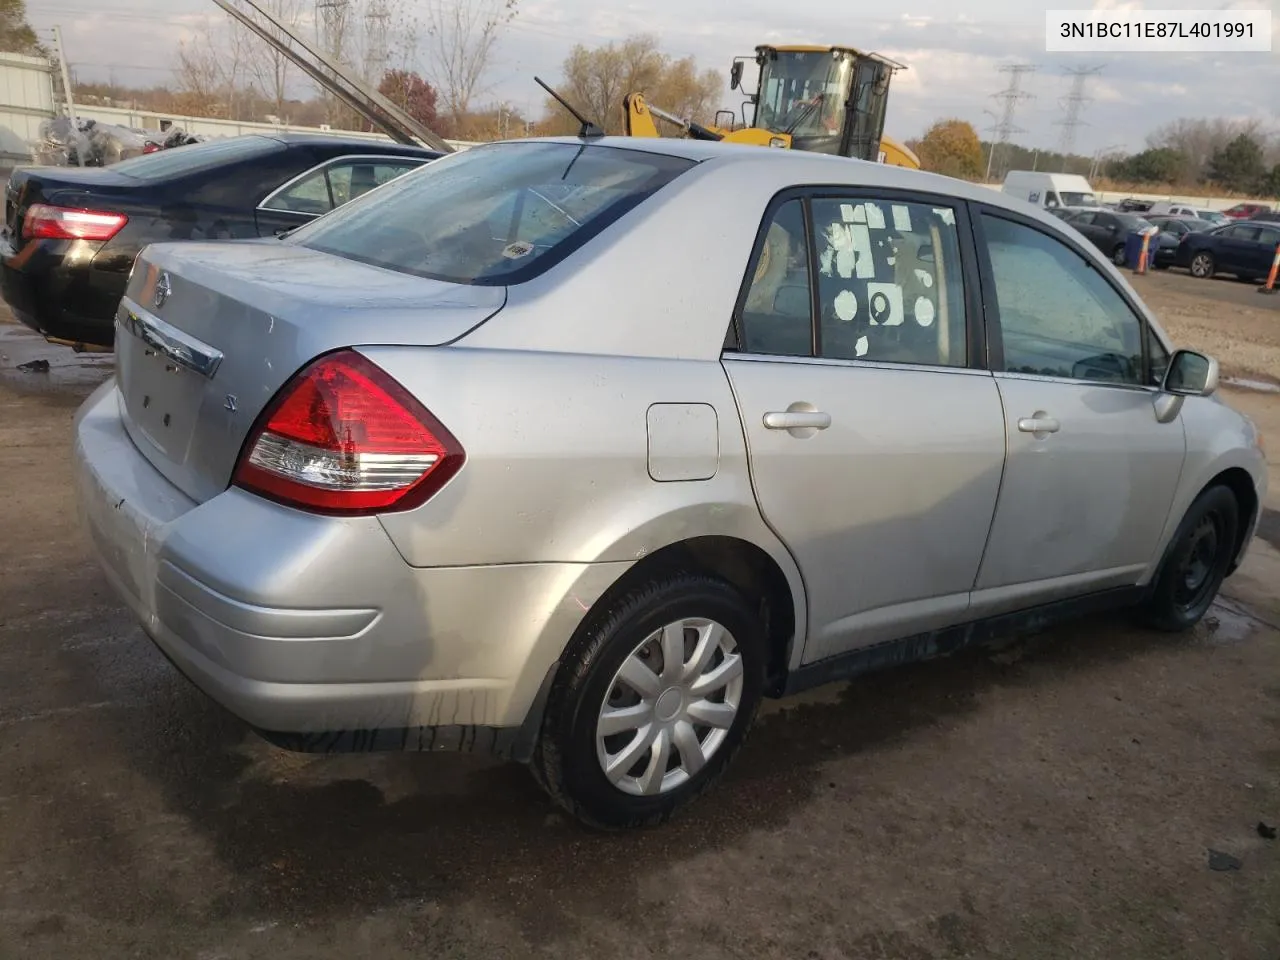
(1202, 266)
(1196, 562)
(654, 698)
(1117, 256)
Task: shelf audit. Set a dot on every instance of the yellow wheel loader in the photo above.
(820, 99)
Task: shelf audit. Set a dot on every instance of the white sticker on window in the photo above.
(514, 251)
(875, 216)
(846, 305)
(847, 212)
(861, 236)
(924, 312)
(901, 218)
(925, 279)
(946, 214)
(860, 348)
(884, 300)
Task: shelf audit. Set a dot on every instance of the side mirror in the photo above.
(1191, 374)
(735, 75)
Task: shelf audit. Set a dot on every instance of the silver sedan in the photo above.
(573, 450)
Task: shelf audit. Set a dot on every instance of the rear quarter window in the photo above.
(497, 214)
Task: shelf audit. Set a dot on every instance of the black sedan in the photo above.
(1244, 249)
(1170, 237)
(71, 235)
(1108, 230)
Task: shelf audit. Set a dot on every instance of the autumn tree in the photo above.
(16, 35)
(951, 147)
(1162, 165)
(412, 94)
(461, 36)
(1199, 139)
(1238, 165)
(596, 80)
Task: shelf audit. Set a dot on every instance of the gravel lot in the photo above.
(1060, 799)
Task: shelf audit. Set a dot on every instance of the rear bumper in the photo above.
(314, 630)
(51, 287)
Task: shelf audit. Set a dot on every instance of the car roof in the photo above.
(807, 168)
(338, 140)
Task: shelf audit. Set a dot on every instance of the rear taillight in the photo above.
(344, 437)
(45, 222)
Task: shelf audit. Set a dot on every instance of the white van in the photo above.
(1051, 190)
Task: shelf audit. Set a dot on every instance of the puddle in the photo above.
(1243, 383)
(1227, 622)
(68, 371)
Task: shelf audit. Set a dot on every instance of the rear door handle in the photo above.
(797, 420)
(1039, 425)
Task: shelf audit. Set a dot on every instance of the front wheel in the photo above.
(1196, 562)
(1117, 256)
(653, 700)
(1202, 266)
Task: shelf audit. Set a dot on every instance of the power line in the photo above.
(1073, 103)
(1010, 96)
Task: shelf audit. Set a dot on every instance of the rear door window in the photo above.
(495, 214)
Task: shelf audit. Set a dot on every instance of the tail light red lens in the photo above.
(344, 437)
(45, 222)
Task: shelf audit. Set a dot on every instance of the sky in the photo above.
(952, 48)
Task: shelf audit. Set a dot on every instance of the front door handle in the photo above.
(797, 420)
(1039, 424)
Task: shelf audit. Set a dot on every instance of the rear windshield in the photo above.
(494, 214)
(194, 157)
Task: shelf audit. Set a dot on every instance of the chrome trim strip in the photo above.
(183, 349)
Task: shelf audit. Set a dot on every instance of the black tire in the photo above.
(565, 761)
(1207, 266)
(1117, 255)
(1195, 563)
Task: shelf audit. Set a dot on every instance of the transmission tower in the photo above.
(1073, 103)
(1010, 96)
(377, 57)
(331, 27)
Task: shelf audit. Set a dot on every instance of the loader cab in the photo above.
(828, 99)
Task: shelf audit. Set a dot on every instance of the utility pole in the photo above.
(67, 97)
(1010, 96)
(1073, 103)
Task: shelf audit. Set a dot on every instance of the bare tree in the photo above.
(460, 38)
(199, 74)
(270, 69)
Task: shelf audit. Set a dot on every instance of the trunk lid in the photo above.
(69, 186)
(209, 332)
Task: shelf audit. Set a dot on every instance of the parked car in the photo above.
(1172, 231)
(1132, 205)
(1246, 211)
(1108, 231)
(70, 235)
(421, 475)
(1171, 208)
(1213, 216)
(1244, 249)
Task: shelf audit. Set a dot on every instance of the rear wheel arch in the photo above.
(749, 568)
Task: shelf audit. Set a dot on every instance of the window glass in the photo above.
(1159, 358)
(1058, 316)
(1242, 232)
(308, 195)
(195, 157)
(356, 178)
(1268, 236)
(890, 286)
(449, 221)
(777, 316)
